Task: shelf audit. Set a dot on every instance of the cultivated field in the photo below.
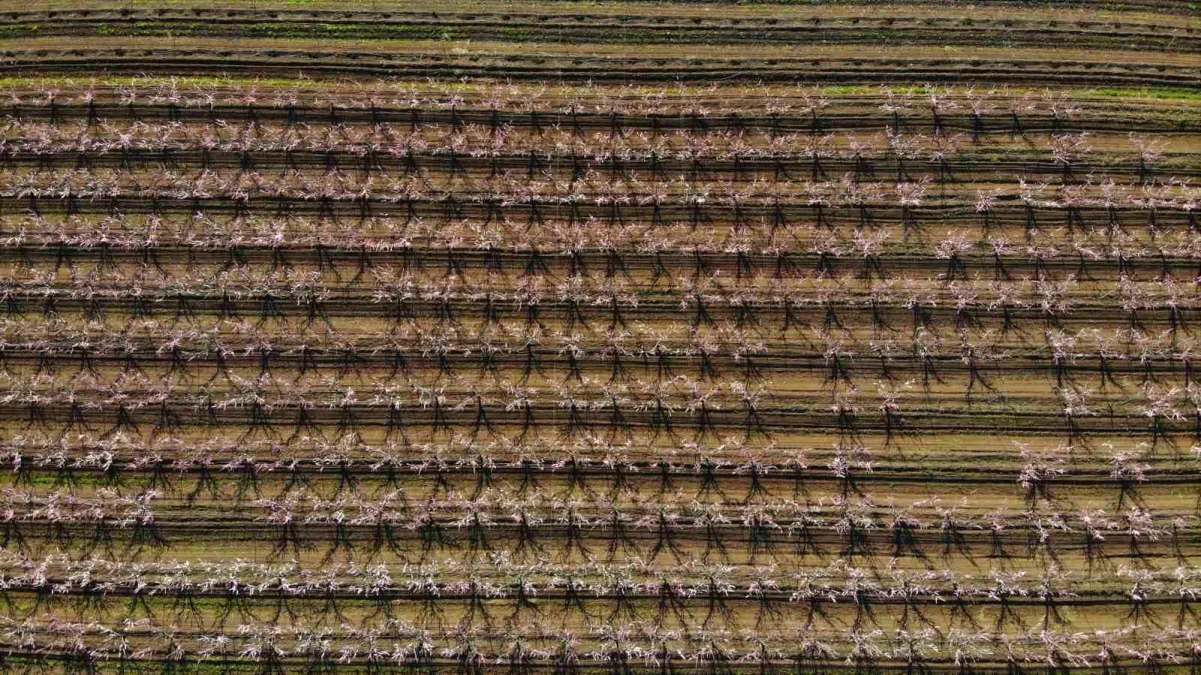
(484, 337)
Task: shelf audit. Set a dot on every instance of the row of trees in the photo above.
(493, 154)
(622, 648)
(770, 108)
